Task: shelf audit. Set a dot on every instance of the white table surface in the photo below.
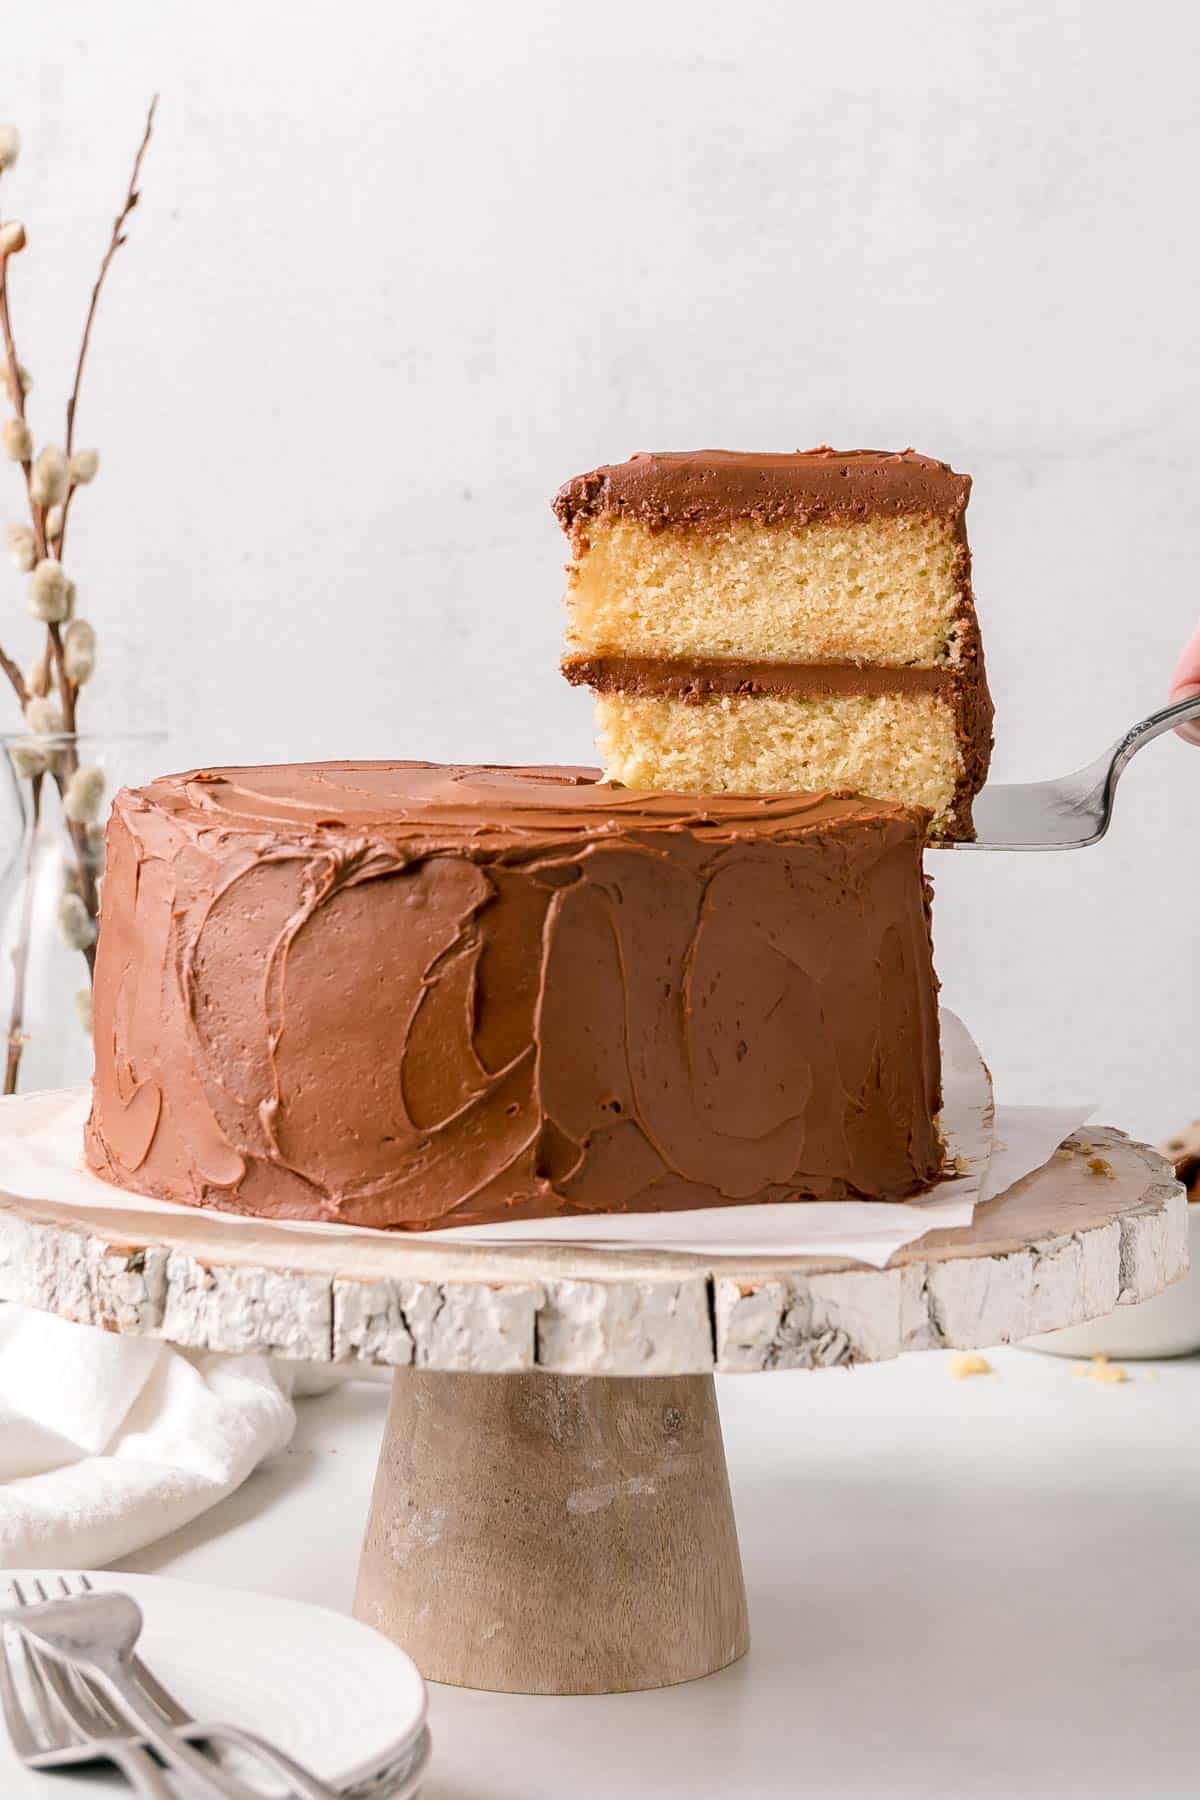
(958, 1589)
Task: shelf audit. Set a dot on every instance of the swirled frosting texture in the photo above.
(408, 996)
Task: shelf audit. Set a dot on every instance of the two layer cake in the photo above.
(764, 624)
(409, 996)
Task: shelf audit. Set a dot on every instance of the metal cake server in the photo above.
(1076, 809)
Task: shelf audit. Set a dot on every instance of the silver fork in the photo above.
(54, 1729)
(304, 1784)
(1073, 811)
(88, 1639)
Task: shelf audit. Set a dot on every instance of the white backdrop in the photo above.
(402, 268)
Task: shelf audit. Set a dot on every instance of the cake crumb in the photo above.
(968, 1363)
(1099, 1166)
(1065, 1153)
(1108, 1374)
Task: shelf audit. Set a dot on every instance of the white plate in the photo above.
(331, 1692)
(1168, 1325)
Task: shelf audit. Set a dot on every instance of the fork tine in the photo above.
(82, 1701)
(56, 1680)
(47, 1732)
(158, 1695)
(40, 1725)
(24, 1742)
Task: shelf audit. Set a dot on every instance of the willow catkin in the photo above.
(51, 477)
(49, 593)
(83, 796)
(17, 388)
(28, 758)
(17, 440)
(79, 651)
(75, 922)
(43, 716)
(22, 548)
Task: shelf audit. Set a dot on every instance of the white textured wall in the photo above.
(403, 267)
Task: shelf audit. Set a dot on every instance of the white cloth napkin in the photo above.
(107, 1442)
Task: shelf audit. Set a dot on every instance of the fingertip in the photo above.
(1186, 673)
(1186, 690)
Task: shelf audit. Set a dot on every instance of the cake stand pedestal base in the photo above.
(551, 1534)
(552, 1510)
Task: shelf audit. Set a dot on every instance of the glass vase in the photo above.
(56, 797)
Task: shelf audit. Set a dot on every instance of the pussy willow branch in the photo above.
(37, 514)
(66, 762)
(12, 669)
(17, 395)
(52, 656)
(132, 197)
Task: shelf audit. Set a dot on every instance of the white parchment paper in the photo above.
(41, 1158)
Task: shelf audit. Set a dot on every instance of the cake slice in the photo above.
(775, 623)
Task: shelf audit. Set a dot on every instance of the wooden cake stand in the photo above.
(552, 1510)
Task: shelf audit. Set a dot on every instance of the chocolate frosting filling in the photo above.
(405, 995)
(699, 677)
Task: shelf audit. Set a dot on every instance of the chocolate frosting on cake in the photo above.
(408, 996)
(699, 487)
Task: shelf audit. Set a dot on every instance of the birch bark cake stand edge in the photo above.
(552, 1512)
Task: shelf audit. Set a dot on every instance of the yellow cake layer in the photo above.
(890, 746)
(882, 590)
